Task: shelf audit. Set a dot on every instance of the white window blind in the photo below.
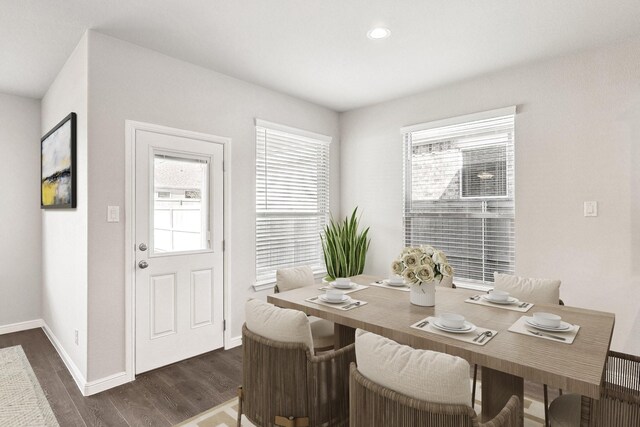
(459, 192)
(292, 199)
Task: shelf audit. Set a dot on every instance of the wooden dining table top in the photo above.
(576, 367)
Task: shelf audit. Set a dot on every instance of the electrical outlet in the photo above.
(591, 208)
(76, 336)
(113, 213)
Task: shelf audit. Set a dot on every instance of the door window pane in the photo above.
(180, 206)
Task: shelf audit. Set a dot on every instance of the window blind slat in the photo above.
(292, 201)
(459, 195)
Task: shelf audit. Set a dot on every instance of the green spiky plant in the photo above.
(345, 248)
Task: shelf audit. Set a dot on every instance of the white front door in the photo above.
(178, 247)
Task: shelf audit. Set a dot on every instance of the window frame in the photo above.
(408, 201)
(302, 136)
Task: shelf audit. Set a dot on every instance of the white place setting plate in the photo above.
(508, 301)
(397, 285)
(564, 326)
(344, 299)
(351, 285)
(468, 327)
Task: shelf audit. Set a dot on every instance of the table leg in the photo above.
(497, 389)
(585, 411)
(343, 336)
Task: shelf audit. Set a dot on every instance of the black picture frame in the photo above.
(57, 172)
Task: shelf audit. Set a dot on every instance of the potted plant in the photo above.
(344, 247)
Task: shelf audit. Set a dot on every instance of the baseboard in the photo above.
(21, 326)
(233, 342)
(102, 384)
(87, 388)
(81, 382)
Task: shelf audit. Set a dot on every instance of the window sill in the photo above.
(472, 286)
(268, 284)
(264, 286)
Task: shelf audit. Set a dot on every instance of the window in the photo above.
(459, 192)
(180, 222)
(292, 199)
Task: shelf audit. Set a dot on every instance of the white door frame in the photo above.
(130, 196)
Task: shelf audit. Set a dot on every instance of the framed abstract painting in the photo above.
(58, 165)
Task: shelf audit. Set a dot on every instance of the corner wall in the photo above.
(128, 82)
(64, 231)
(577, 135)
(20, 224)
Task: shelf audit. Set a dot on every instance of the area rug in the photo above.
(22, 401)
(226, 414)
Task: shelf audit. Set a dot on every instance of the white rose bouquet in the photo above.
(422, 264)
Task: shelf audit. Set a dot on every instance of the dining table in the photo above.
(507, 359)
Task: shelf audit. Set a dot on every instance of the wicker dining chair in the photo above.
(372, 405)
(284, 384)
(322, 330)
(397, 385)
(537, 291)
(619, 403)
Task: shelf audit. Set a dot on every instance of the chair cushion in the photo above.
(537, 291)
(293, 278)
(278, 324)
(321, 332)
(421, 374)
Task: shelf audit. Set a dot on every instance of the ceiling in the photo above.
(314, 49)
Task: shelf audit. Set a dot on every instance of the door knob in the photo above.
(143, 264)
(142, 247)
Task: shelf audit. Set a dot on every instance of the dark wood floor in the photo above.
(162, 397)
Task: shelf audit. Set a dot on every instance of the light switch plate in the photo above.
(590, 208)
(113, 213)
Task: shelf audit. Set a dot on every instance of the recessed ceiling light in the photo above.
(378, 33)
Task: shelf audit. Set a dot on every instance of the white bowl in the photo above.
(396, 279)
(334, 295)
(341, 285)
(343, 281)
(547, 319)
(499, 295)
(451, 320)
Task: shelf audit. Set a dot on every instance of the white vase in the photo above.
(423, 294)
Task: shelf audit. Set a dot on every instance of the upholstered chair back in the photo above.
(537, 291)
(293, 278)
(396, 385)
(278, 324)
(421, 374)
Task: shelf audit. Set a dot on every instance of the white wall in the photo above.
(20, 230)
(577, 136)
(64, 231)
(127, 82)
